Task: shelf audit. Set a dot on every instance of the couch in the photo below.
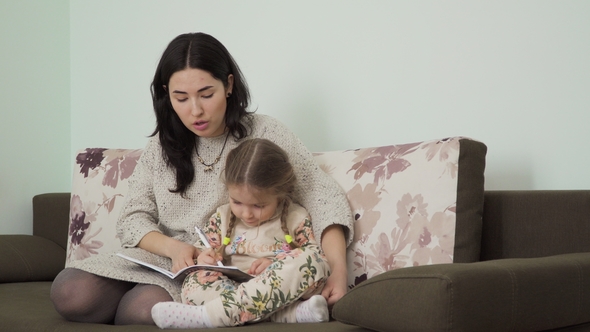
(486, 261)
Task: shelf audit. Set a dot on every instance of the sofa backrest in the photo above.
(51, 217)
(414, 204)
(535, 223)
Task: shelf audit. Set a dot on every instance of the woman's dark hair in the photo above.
(204, 52)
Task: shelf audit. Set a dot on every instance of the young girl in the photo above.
(262, 232)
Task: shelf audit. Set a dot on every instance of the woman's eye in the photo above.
(182, 100)
(208, 96)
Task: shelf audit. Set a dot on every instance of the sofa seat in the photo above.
(26, 307)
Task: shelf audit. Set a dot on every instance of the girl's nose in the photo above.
(247, 214)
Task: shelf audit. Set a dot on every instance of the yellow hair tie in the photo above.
(289, 238)
(226, 241)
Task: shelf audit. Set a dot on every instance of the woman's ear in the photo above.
(165, 88)
(230, 85)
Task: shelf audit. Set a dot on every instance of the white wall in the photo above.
(342, 74)
(347, 74)
(35, 111)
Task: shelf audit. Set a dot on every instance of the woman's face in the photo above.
(200, 101)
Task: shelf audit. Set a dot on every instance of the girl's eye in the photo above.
(182, 100)
(259, 206)
(208, 96)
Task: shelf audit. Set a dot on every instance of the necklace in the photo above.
(209, 167)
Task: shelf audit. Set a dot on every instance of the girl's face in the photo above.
(252, 206)
(199, 100)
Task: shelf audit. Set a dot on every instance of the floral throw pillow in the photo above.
(413, 204)
(99, 186)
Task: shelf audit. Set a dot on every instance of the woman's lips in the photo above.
(200, 125)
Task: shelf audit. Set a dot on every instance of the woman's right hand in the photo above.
(182, 254)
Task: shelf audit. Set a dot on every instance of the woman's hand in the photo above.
(259, 265)
(334, 247)
(182, 254)
(336, 287)
(209, 257)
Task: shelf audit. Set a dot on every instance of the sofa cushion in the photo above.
(99, 186)
(414, 204)
(520, 294)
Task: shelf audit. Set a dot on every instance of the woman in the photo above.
(200, 99)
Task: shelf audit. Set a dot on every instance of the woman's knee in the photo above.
(136, 306)
(65, 290)
(84, 297)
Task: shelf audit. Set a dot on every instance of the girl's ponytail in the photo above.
(284, 214)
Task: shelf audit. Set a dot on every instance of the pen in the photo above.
(205, 242)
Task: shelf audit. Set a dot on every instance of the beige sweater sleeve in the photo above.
(139, 216)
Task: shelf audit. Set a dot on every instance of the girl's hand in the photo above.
(209, 257)
(259, 265)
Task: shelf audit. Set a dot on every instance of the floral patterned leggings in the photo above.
(293, 275)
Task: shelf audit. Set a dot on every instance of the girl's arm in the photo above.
(259, 265)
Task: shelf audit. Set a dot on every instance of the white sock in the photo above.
(314, 310)
(286, 314)
(180, 316)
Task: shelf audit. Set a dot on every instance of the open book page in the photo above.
(231, 272)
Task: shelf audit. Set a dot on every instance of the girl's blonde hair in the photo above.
(263, 166)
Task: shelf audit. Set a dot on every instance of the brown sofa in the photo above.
(534, 275)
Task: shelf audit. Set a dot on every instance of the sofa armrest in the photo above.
(51, 217)
(523, 294)
(29, 258)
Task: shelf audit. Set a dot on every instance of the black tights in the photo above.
(80, 296)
